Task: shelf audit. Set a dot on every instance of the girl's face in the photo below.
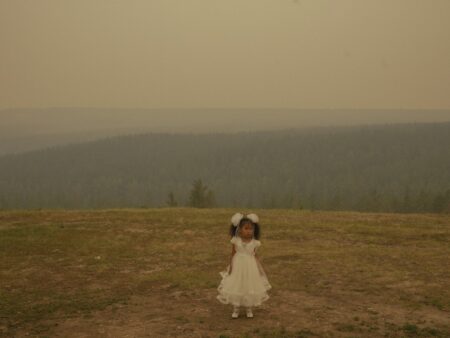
(247, 230)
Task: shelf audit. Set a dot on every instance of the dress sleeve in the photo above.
(257, 243)
(233, 240)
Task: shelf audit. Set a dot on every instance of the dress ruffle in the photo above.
(247, 300)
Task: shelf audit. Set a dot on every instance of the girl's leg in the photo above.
(235, 313)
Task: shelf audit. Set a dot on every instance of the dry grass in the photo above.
(154, 272)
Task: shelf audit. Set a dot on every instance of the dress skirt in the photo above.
(247, 285)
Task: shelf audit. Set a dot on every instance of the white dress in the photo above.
(247, 285)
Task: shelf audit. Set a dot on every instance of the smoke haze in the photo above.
(225, 54)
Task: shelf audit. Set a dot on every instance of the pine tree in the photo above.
(171, 201)
(201, 196)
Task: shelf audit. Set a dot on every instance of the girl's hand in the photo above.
(233, 251)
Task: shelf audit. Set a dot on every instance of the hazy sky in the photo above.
(227, 53)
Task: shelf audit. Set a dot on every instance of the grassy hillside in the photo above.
(154, 272)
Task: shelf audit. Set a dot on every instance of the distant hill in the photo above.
(403, 167)
(30, 129)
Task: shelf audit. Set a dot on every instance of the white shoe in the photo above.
(249, 313)
(235, 313)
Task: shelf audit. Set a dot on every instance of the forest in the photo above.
(378, 168)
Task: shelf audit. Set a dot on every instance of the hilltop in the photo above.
(154, 272)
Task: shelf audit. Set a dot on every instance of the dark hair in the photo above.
(256, 227)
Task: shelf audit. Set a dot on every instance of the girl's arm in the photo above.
(257, 256)
(233, 251)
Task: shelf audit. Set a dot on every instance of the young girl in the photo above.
(244, 282)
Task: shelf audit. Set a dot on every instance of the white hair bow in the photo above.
(236, 218)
